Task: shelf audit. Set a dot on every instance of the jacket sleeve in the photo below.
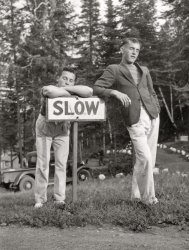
(151, 88)
(103, 86)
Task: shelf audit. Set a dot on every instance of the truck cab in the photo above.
(23, 179)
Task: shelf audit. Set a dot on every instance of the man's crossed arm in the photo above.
(52, 91)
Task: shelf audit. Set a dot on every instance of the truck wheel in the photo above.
(83, 175)
(26, 183)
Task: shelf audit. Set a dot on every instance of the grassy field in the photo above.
(103, 202)
(174, 162)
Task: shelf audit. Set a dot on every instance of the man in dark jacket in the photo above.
(132, 86)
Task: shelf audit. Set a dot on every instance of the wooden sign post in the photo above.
(74, 170)
(75, 109)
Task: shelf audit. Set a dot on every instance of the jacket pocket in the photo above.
(156, 103)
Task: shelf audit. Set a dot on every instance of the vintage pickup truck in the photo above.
(23, 178)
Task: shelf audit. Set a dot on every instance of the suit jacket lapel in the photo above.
(141, 71)
(125, 71)
(128, 75)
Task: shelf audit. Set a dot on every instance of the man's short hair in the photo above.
(71, 70)
(130, 39)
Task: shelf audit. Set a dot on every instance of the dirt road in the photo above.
(91, 238)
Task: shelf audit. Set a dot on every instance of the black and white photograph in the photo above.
(94, 124)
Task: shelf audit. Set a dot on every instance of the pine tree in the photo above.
(137, 20)
(36, 37)
(110, 38)
(179, 58)
(88, 35)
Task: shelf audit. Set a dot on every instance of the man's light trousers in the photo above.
(61, 150)
(144, 136)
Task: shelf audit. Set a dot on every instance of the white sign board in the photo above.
(76, 109)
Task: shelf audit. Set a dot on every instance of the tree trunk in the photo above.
(11, 156)
(13, 45)
(188, 121)
(110, 131)
(171, 98)
(94, 142)
(19, 134)
(115, 149)
(104, 139)
(166, 106)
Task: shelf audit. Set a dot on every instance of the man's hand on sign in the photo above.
(125, 100)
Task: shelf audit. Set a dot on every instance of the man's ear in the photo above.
(122, 49)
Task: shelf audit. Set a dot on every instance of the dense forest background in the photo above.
(39, 37)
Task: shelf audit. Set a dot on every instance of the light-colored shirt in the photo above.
(134, 72)
(136, 75)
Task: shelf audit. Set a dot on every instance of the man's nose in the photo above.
(134, 52)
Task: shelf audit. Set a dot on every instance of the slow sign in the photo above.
(75, 109)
